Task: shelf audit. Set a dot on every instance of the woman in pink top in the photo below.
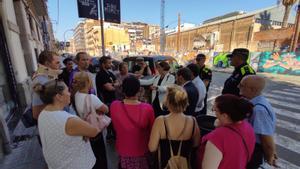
(132, 121)
(231, 144)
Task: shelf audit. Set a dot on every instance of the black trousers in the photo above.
(111, 133)
(257, 157)
(98, 147)
(157, 109)
(204, 110)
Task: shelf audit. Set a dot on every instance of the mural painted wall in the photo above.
(254, 59)
(221, 60)
(281, 63)
(270, 62)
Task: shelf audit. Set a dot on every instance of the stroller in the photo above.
(206, 124)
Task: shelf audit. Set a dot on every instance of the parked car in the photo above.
(94, 65)
(151, 60)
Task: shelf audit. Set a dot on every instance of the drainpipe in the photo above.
(45, 35)
(4, 52)
(295, 38)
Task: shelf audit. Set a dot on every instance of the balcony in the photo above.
(38, 6)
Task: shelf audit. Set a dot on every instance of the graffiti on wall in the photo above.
(221, 60)
(281, 63)
(254, 59)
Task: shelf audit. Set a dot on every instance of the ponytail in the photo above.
(49, 90)
(236, 108)
(246, 107)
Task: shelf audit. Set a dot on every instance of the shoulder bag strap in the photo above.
(259, 104)
(167, 77)
(170, 143)
(89, 109)
(159, 148)
(159, 157)
(156, 76)
(167, 137)
(193, 128)
(179, 149)
(166, 130)
(244, 142)
(127, 114)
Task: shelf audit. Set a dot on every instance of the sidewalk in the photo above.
(26, 151)
(271, 76)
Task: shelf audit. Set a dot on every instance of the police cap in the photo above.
(242, 52)
(200, 56)
(140, 58)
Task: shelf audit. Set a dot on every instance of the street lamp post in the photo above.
(65, 35)
(162, 27)
(295, 37)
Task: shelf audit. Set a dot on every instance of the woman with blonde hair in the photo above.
(174, 129)
(81, 85)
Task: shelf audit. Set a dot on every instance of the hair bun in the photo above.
(176, 99)
(179, 95)
(39, 88)
(246, 106)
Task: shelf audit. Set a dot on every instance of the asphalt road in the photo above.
(284, 97)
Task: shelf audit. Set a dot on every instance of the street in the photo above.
(284, 97)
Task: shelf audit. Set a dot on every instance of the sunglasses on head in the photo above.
(56, 85)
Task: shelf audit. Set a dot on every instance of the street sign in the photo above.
(61, 45)
(67, 44)
(88, 9)
(112, 11)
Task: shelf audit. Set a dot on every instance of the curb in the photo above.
(271, 76)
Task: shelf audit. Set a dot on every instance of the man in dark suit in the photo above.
(183, 78)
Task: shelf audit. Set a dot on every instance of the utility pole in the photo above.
(162, 27)
(102, 29)
(295, 37)
(178, 34)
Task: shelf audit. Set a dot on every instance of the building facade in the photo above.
(25, 30)
(116, 39)
(71, 48)
(79, 38)
(87, 37)
(224, 33)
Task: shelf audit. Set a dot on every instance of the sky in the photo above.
(64, 14)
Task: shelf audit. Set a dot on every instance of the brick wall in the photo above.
(232, 34)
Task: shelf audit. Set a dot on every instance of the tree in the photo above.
(288, 6)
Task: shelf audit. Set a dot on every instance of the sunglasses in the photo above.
(57, 88)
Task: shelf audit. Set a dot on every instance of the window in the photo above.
(38, 32)
(31, 24)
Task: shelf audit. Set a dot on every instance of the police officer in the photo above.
(238, 59)
(205, 75)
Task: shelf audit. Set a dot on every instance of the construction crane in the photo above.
(162, 27)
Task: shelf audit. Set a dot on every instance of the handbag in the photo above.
(100, 121)
(27, 118)
(244, 142)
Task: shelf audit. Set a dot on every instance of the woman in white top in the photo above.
(81, 85)
(62, 133)
(159, 86)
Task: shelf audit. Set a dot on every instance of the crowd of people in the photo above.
(162, 133)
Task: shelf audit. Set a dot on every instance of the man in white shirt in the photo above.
(200, 87)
